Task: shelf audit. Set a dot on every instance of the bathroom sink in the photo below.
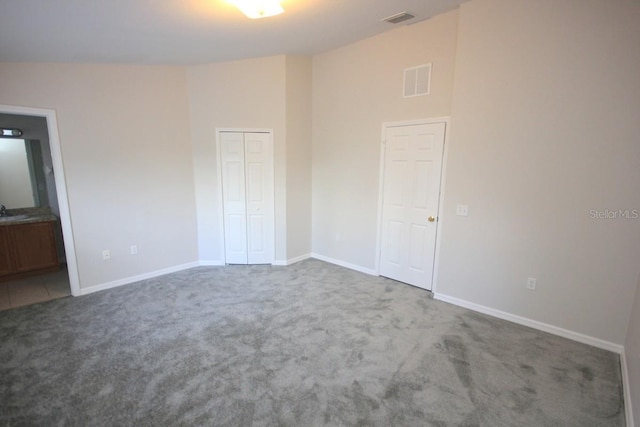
(13, 218)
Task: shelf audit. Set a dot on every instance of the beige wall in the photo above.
(298, 116)
(355, 89)
(545, 130)
(124, 134)
(632, 356)
(239, 94)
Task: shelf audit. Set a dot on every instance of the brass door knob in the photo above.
(431, 219)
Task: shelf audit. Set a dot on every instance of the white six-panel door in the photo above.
(411, 192)
(246, 160)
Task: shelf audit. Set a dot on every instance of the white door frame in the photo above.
(385, 125)
(221, 241)
(61, 186)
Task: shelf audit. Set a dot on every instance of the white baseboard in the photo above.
(545, 327)
(298, 259)
(211, 263)
(132, 279)
(292, 260)
(628, 406)
(345, 264)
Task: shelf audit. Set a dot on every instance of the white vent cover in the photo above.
(417, 81)
(398, 17)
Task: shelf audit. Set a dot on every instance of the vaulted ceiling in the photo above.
(189, 32)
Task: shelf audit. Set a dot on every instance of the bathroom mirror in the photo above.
(22, 175)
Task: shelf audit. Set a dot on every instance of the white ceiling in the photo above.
(189, 31)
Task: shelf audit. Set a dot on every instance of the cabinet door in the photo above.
(5, 257)
(34, 246)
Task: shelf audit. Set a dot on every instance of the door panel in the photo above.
(260, 205)
(395, 185)
(254, 182)
(394, 243)
(411, 190)
(256, 243)
(235, 184)
(6, 266)
(233, 196)
(421, 176)
(248, 192)
(417, 238)
(237, 224)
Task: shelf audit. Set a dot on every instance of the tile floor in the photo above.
(32, 290)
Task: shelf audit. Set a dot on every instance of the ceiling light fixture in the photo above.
(255, 9)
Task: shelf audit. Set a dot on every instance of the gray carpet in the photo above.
(311, 344)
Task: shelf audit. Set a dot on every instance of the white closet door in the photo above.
(248, 197)
(234, 198)
(259, 196)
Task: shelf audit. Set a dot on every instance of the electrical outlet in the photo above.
(531, 283)
(106, 254)
(134, 250)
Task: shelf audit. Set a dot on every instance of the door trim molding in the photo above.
(385, 125)
(61, 187)
(221, 239)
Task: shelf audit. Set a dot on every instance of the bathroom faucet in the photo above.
(3, 211)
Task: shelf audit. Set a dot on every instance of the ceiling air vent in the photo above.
(398, 17)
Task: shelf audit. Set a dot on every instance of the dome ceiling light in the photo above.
(256, 9)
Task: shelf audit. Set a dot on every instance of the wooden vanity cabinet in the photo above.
(5, 257)
(27, 248)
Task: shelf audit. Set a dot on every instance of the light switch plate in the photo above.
(462, 210)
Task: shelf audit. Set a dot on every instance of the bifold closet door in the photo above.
(247, 192)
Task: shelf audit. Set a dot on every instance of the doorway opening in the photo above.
(53, 179)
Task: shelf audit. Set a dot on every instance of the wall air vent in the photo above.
(417, 81)
(398, 17)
